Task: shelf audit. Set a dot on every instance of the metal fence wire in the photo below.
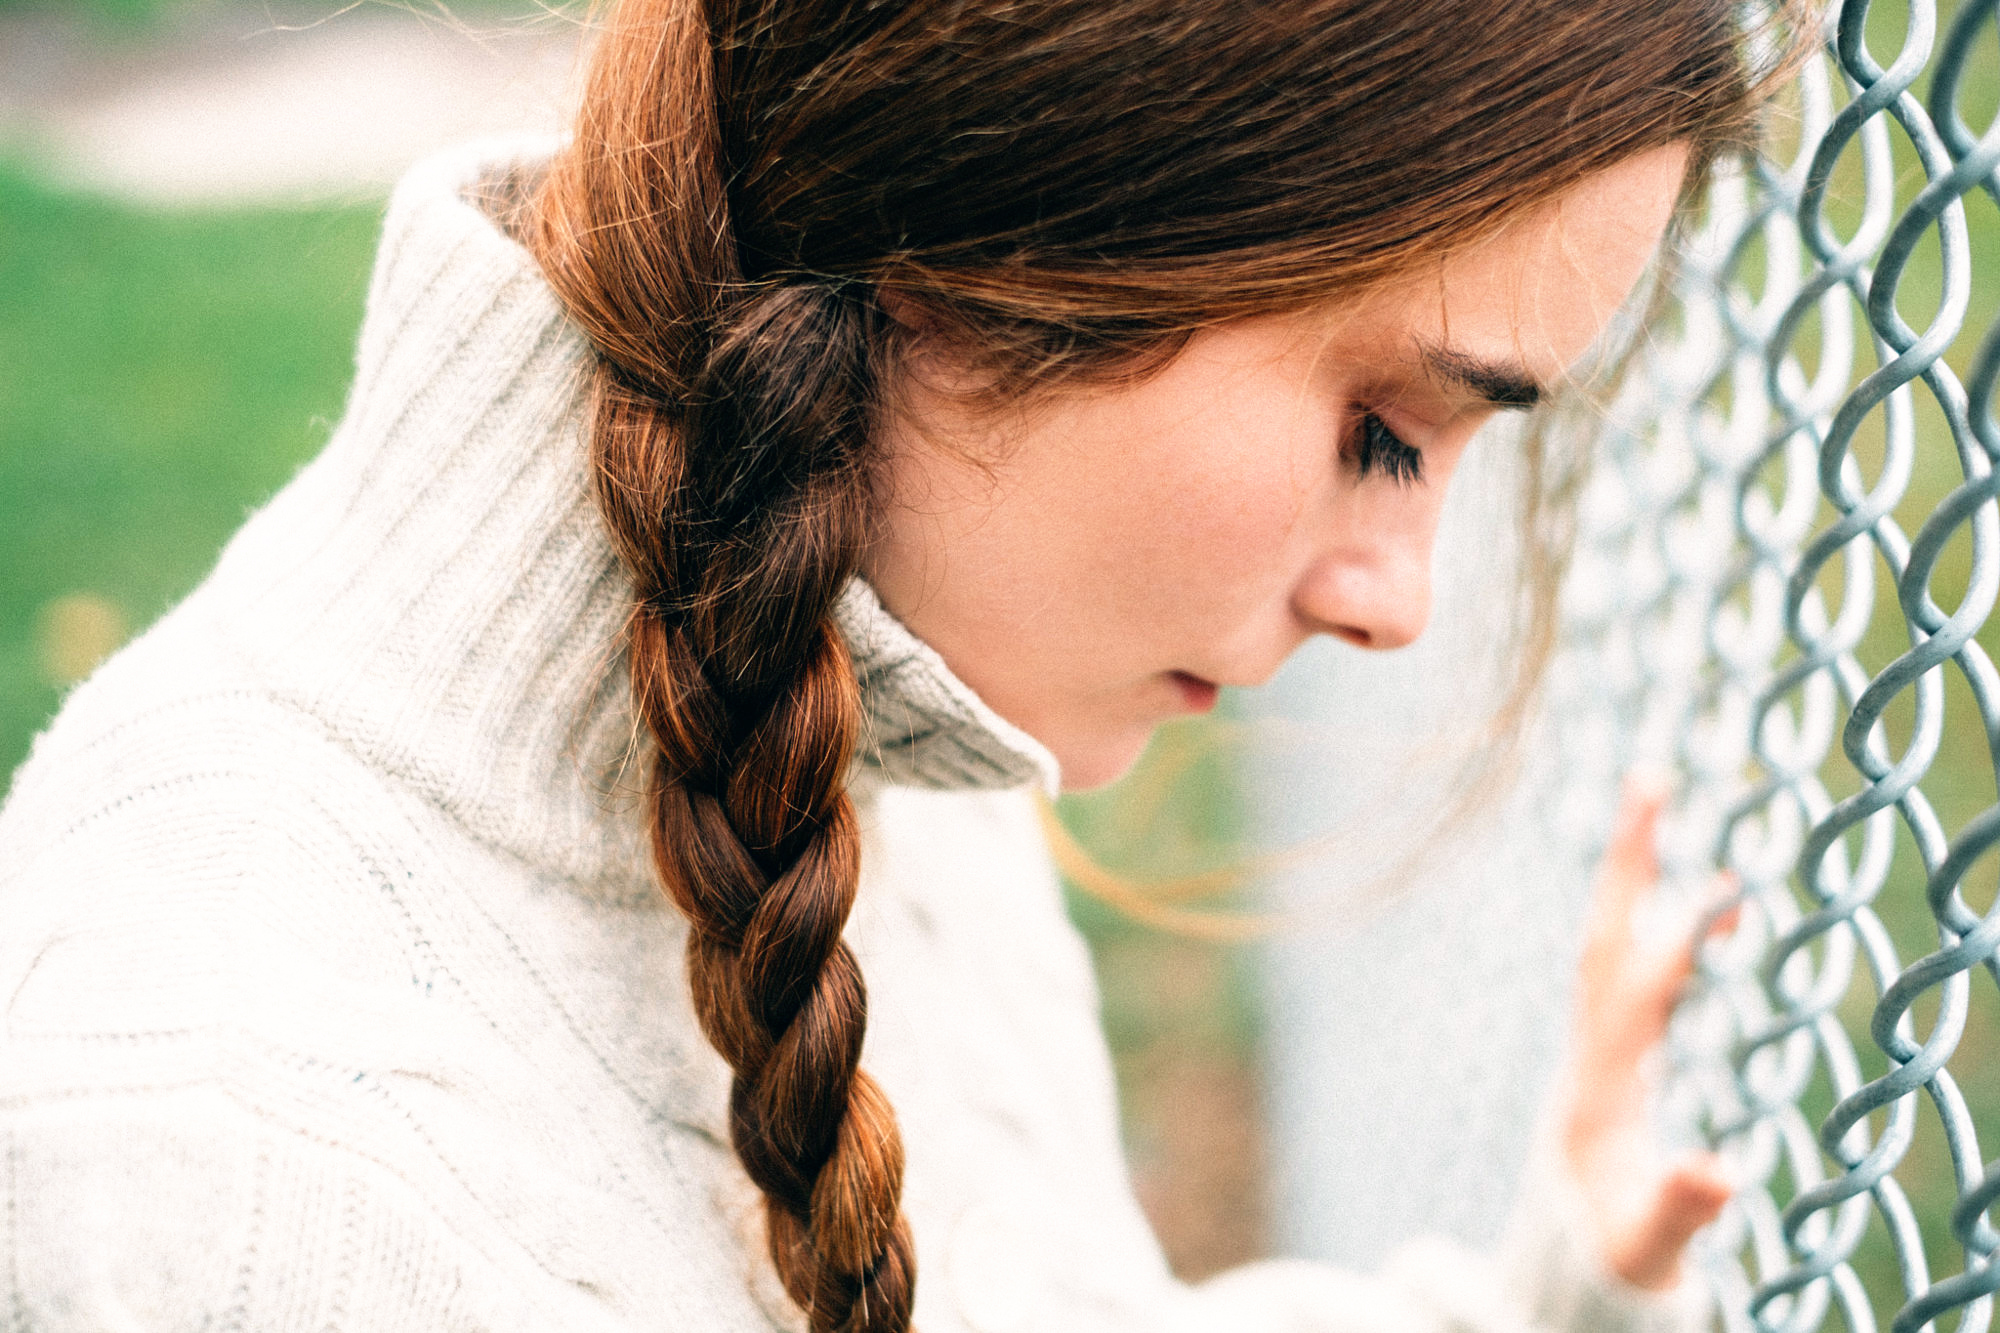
(1787, 558)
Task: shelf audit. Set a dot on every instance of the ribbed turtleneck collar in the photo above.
(436, 587)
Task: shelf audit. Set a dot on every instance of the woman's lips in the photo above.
(1199, 695)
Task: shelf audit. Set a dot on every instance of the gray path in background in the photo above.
(255, 104)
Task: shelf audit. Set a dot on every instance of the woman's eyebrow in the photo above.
(1500, 383)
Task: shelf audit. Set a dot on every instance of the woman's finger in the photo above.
(1652, 980)
(1628, 872)
(1689, 1198)
(1631, 863)
(1658, 981)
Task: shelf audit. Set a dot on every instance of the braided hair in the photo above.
(1064, 189)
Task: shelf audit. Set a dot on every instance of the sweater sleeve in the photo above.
(1545, 1276)
(179, 1210)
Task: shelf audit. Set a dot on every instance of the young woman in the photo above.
(455, 915)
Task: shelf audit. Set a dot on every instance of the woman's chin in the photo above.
(1099, 761)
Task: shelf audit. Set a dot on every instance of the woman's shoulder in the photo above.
(167, 742)
(187, 854)
(298, 1039)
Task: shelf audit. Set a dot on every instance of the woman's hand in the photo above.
(1645, 1209)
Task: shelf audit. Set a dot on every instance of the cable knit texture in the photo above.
(337, 995)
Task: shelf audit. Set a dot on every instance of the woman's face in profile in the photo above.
(1102, 560)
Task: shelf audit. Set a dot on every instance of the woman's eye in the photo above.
(1378, 449)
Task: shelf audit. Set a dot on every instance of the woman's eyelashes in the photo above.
(1378, 449)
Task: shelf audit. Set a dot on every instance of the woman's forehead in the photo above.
(1504, 318)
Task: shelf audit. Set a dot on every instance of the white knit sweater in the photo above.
(337, 996)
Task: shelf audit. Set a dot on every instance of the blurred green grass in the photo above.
(165, 373)
(109, 17)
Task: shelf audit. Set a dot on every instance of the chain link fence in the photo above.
(1788, 556)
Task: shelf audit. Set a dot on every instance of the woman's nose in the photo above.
(1374, 598)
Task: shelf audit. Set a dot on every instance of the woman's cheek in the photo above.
(1242, 542)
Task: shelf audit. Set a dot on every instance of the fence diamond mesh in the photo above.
(1794, 546)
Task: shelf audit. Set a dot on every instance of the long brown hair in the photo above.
(1065, 188)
